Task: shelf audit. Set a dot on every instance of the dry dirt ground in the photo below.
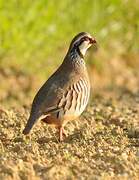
(103, 144)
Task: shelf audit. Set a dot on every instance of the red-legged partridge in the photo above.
(65, 94)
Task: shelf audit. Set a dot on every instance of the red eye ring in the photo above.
(86, 39)
(91, 40)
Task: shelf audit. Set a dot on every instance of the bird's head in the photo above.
(81, 42)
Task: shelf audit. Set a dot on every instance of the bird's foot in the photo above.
(62, 133)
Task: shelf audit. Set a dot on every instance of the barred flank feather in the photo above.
(65, 94)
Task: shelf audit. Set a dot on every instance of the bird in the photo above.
(65, 95)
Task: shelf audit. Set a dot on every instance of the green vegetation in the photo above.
(36, 34)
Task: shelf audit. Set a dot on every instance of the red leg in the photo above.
(61, 133)
(64, 133)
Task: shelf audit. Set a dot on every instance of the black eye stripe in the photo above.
(78, 43)
(85, 38)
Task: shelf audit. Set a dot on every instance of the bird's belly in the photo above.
(74, 105)
(64, 117)
(52, 119)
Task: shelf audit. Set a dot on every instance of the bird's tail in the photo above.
(31, 121)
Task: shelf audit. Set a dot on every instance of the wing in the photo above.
(46, 100)
(50, 94)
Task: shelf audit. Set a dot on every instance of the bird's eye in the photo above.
(85, 39)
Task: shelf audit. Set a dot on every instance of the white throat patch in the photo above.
(84, 46)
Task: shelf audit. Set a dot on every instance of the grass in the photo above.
(36, 34)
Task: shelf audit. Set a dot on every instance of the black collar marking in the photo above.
(79, 52)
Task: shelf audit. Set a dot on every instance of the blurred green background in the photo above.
(35, 35)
